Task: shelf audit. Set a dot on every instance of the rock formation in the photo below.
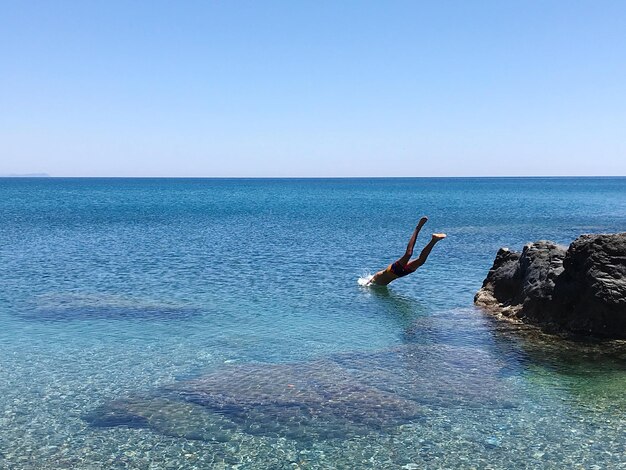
(581, 289)
(348, 395)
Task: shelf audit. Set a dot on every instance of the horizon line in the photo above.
(48, 176)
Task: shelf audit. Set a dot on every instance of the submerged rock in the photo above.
(434, 375)
(339, 397)
(580, 289)
(317, 400)
(170, 417)
(292, 400)
(71, 307)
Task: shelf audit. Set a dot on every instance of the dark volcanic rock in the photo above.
(593, 287)
(581, 289)
(522, 284)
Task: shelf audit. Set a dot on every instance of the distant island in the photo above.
(25, 175)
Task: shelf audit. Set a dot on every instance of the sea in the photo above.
(219, 323)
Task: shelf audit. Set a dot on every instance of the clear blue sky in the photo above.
(313, 88)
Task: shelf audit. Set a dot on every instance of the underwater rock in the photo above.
(434, 375)
(169, 417)
(316, 398)
(340, 397)
(592, 372)
(70, 307)
(288, 400)
(581, 289)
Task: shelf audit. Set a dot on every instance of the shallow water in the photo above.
(139, 300)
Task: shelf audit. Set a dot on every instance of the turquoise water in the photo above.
(168, 323)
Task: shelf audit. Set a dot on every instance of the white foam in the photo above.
(365, 280)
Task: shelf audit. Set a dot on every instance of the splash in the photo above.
(364, 281)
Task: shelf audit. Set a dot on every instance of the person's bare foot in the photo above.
(422, 222)
(439, 236)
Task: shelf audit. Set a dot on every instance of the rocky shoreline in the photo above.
(578, 289)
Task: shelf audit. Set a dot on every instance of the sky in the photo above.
(313, 88)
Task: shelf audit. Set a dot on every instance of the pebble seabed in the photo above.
(438, 444)
(555, 418)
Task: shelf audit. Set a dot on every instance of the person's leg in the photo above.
(409, 248)
(416, 263)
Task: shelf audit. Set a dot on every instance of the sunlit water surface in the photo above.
(219, 323)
